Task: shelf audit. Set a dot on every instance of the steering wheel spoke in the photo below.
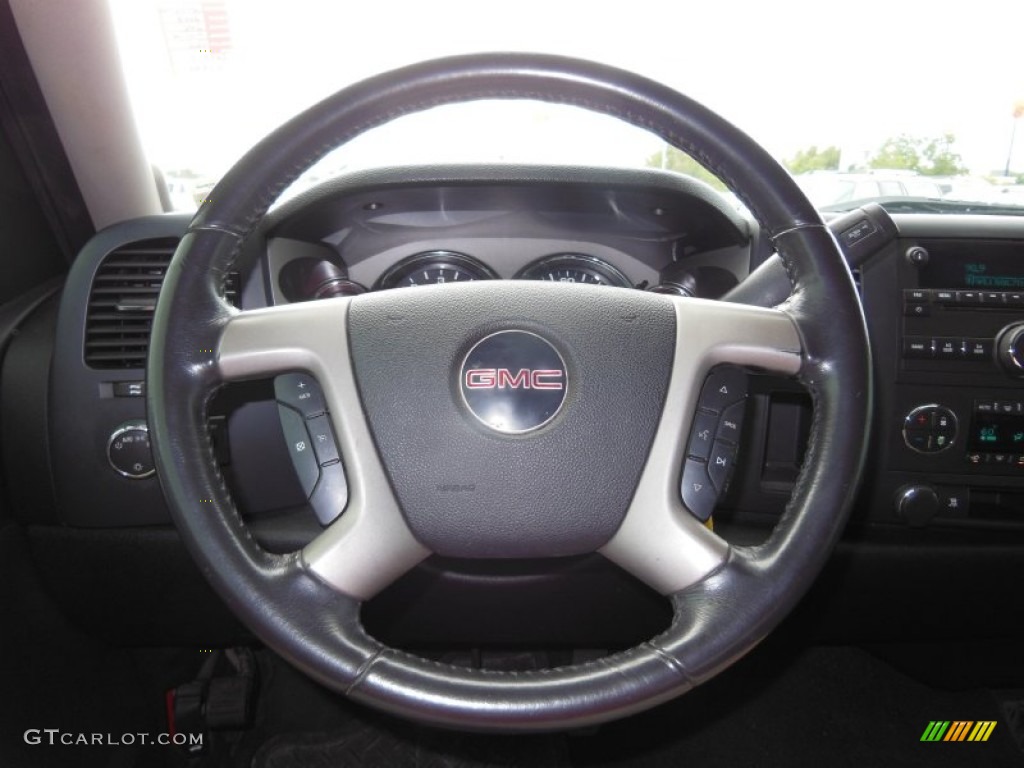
(370, 545)
(662, 541)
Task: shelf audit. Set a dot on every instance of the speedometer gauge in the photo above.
(435, 268)
(574, 268)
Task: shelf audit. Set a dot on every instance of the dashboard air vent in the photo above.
(124, 293)
(122, 301)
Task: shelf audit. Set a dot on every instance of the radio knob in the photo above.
(1010, 348)
(917, 504)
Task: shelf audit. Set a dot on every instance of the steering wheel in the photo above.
(587, 459)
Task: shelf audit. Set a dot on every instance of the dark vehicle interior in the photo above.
(758, 501)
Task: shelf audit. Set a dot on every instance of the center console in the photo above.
(946, 317)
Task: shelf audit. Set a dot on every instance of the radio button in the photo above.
(918, 348)
(945, 297)
(992, 297)
(968, 297)
(949, 348)
(916, 296)
(917, 310)
(978, 349)
(1015, 299)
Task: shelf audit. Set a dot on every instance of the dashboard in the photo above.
(943, 297)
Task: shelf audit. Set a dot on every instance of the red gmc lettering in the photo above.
(550, 379)
(480, 378)
(520, 381)
(503, 378)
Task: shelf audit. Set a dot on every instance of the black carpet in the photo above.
(815, 707)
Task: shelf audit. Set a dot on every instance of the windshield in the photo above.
(907, 101)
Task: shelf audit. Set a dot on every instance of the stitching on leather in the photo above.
(671, 662)
(364, 669)
(211, 457)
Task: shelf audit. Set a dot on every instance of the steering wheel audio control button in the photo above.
(731, 423)
(702, 435)
(720, 464)
(128, 450)
(698, 493)
(724, 386)
(300, 448)
(301, 392)
(331, 494)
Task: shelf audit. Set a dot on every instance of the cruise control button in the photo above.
(300, 448)
(698, 494)
(702, 435)
(331, 494)
(301, 392)
(731, 423)
(324, 445)
(723, 387)
(720, 463)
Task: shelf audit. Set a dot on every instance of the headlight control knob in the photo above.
(128, 450)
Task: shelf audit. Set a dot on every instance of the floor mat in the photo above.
(364, 744)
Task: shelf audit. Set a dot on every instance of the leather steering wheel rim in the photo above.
(717, 619)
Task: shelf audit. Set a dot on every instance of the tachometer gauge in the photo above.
(435, 268)
(574, 268)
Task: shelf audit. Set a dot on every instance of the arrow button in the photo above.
(698, 494)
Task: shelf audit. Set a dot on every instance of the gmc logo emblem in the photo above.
(503, 378)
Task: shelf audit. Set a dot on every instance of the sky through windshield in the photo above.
(791, 74)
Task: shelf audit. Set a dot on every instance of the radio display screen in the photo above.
(997, 433)
(978, 266)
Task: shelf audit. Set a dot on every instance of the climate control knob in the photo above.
(1010, 348)
(929, 428)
